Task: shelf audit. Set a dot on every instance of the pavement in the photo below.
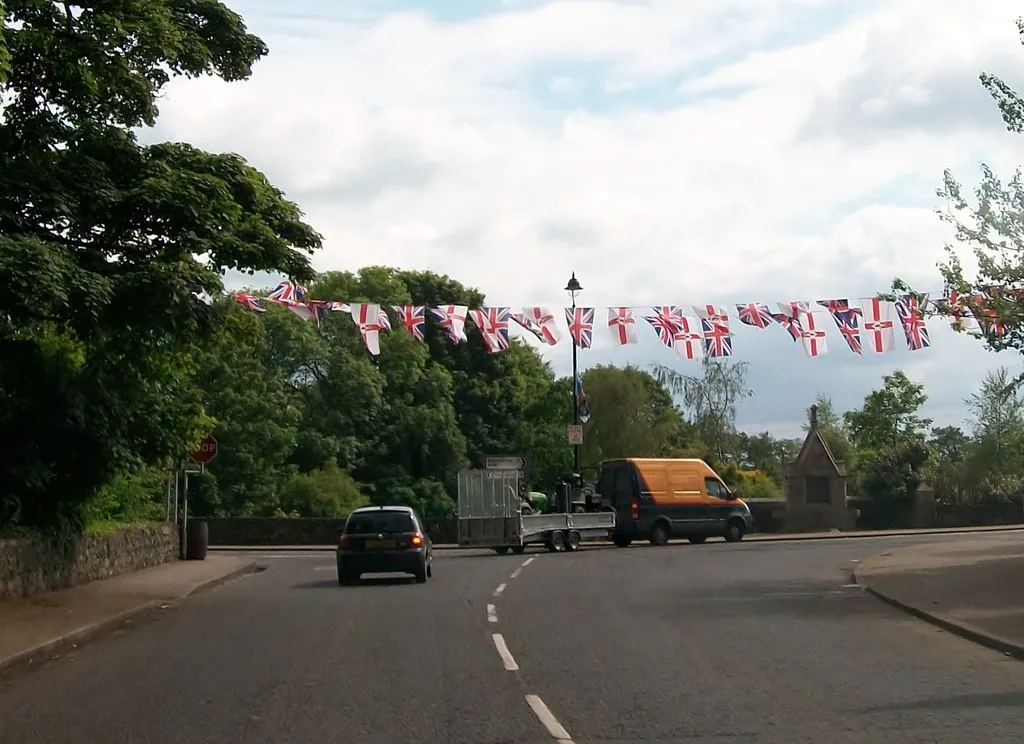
(970, 587)
(765, 642)
(45, 624)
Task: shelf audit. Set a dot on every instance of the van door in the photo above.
(717, 506)
(688, 502)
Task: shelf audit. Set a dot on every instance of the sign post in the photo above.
(202, 456)
(519, 463)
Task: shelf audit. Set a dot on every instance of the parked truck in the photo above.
(492, 514)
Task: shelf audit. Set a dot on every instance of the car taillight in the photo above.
(634, 509)
(416, 540)
(343, 541)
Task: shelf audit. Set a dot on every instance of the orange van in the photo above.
(661, 499)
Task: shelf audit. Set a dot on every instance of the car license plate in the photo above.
(380, 544)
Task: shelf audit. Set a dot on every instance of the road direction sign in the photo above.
(575, 433)
(206, 451)
(504, 462)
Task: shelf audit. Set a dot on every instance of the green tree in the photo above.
(951, 449)
(890, 415)
(632, 415)
(832, 430)
(253, 407)
(118, 242)
(763, 452)
(889, 434)
(710, 399)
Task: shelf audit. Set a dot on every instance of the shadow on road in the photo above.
(954, 702)
(365, 581)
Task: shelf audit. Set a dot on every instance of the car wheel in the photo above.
(621, 541)
(430, 570)
(734, 531)
(659, 534)
(421, 574)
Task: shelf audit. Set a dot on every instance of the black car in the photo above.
(383, 539)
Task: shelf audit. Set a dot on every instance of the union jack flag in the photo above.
(581, 325)
(717, 340)
(988, 319)
(492, 322)
(414, 318)
(666, 322)
(581, 400)
(789, 318)
(541, 319)
(287, 291)
(846, 318)
(910, 309)
(452, 318)
(755, 314)
(249, 302)
(528, 325)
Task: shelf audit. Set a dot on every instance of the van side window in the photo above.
(624, 483)
(715, 488)
(606, 482)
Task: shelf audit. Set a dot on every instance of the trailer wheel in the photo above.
(556, 542)
(573, 542)
(501, 549)
(518, 549)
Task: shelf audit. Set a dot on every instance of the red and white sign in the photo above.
(206, 452)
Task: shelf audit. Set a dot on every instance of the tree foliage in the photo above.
(990, 224)
(109, 246)
(711, 398)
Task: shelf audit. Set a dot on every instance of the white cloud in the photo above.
(711, 151)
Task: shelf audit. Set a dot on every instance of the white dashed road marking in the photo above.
(499, 590)
(515, 574)
(504, 653)
(492, 614)
(558, 733)
(528, 561)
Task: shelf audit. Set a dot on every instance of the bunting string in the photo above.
(871, 324)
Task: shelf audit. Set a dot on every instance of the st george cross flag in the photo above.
(367, 319)
(877, 325)
(622, 325)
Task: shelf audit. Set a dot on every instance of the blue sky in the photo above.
(716, 151)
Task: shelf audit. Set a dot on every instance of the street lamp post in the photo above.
(572, 288)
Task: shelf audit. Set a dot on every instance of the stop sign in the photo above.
(206, 452)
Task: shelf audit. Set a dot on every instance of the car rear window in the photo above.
(382, 521)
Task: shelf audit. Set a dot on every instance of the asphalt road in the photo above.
(756, 642)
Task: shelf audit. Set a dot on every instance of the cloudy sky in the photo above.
(668, 152)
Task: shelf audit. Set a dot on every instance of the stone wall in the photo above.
(229, 531)
(770, 515)
(30, 567)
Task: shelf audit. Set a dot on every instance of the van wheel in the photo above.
(659, 534)
(698, 539)
(573, 543)
(734, 530)
(621, 541)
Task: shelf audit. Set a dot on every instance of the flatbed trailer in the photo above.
(490, 511)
